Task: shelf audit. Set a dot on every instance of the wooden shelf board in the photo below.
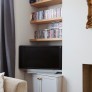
(45, 21)
(46, 3)
(48, 39)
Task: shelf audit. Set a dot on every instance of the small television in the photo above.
(40, 57)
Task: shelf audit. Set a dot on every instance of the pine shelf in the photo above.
(46, 3)
(46, 21)
(48, 39)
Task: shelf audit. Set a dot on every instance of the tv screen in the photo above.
(40, 57)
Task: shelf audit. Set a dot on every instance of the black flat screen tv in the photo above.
(40, 57)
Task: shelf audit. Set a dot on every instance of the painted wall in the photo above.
(23, 29)
(77, 40)
(77, 43)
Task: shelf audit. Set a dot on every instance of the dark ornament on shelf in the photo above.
(32, 1)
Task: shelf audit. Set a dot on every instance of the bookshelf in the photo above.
(42, 17)
(49, 39)
(46, 3)
(45, 21)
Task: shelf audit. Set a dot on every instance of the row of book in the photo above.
(55, 25)
(47, 14)
(48, 33)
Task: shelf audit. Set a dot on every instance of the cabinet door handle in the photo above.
(39, 78)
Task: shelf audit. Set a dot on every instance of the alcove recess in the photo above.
(44, 23)
(87, 78)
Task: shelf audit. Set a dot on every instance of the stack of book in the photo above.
(46, 14)
(54, 31)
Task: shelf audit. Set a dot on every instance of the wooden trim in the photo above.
(89, 17)
(87, 78)
(45, 21)
(48, 39)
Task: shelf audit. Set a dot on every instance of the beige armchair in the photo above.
(14, 85)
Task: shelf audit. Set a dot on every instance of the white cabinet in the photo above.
(47, 83)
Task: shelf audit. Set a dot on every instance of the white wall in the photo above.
(77, 43)
(23, 29)
(77, 40)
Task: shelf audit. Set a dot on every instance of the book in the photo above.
(47, 14)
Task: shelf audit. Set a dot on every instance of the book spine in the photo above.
(60, 33)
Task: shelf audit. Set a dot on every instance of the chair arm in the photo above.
(14, 85)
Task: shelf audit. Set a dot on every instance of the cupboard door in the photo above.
(49, 84)
(36, 84)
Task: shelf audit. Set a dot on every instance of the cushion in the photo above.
(1, 82)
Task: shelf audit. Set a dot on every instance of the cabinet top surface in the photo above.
(49, 75)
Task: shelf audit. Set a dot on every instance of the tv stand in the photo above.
(47, 82)
(44, 71)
